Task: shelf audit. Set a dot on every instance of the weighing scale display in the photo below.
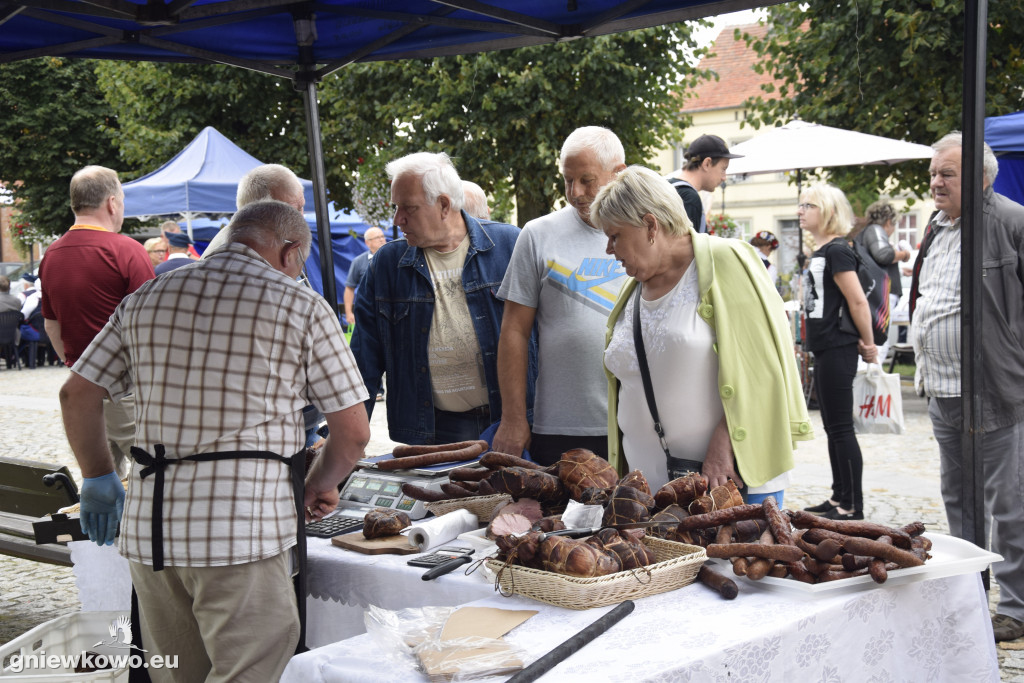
(385, 491)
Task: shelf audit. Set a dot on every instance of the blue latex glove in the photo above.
(102, 500)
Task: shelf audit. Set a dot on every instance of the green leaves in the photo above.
(885, 67)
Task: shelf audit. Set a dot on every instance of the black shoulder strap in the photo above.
(645, 372)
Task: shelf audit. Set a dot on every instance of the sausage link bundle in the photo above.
(459, 452)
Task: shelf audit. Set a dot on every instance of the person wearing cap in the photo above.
(765, 242)
(178, 243)
(707, 159)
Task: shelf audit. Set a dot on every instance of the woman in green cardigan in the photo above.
(717, 342)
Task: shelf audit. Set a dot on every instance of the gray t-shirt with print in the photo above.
(559, 267)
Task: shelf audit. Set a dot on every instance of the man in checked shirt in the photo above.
(935, 311)
(222, 357)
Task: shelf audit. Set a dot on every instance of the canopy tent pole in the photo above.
(316, 165)
(971, 301)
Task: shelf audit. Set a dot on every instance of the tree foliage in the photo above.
(502, 116)
(53, 121)
(885, 67)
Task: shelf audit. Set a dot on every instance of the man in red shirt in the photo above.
(88, 272)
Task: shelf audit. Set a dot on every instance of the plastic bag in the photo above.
(877, 402)
(413, 636)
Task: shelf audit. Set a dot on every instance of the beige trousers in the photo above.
(119, 418)
(235, 623)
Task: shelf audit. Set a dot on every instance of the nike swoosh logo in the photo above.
(578, 284)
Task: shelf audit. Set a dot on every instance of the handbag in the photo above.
(676, 466)
(877, 402)
(874, 280)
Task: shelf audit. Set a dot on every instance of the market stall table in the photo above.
(342, 583)
(930, 630)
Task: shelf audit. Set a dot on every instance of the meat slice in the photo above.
(510, 523)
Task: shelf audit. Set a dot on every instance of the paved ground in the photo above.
(901, 484)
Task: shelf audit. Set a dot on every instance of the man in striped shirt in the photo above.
(222, 357)
(935, 310)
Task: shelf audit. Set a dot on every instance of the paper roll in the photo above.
(440, 530)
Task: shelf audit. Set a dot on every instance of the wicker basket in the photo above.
(677, 566)
(481, 506)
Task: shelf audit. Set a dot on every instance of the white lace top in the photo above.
(684, 373)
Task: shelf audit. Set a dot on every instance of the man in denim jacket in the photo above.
(426, 311)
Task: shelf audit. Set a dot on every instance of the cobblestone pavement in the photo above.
(901, 484)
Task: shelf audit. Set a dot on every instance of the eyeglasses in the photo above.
(157, 251)
(806, 207)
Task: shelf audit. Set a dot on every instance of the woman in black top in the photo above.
(833, 289)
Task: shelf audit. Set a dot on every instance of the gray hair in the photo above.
(836, 213)
(91, 186)
(475, 200)
(269, 223)
(880, 212)
(988, 158)
(437, 176)
(269, 181)
(601, 141)
(635, 192)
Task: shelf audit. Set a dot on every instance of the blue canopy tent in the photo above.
(305, 41)
(201, 179)
(347, 230)
(1005, 135)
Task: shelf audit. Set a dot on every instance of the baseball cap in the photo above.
(178, 239)
(709, 146)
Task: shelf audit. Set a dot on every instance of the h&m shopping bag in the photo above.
(877, 402)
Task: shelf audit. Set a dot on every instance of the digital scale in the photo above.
(368, 488)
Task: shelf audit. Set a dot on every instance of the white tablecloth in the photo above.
(343, 582)
(935, 630)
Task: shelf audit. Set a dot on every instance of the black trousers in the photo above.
(834, 370)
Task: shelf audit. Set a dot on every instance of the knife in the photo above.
(446, 567)
(590, 531)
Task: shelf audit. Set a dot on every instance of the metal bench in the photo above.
(30, 491)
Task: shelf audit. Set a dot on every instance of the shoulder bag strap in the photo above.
(645, 373)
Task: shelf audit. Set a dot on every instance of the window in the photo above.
(743, 224)
(906, 229)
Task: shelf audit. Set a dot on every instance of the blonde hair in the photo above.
(635, 192)
(836, 213)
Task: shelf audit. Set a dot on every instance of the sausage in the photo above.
(455, 491)
(853, 562)
(759, 568)
(805, 520)
(494, 460)
(725, 586)
(913, 529)
(749, 530)
(739, 565)
(726, 516)
(777, 523)
(469, 474)
(864, 546)
(833, 575)
(877, 568)
(468, 485)
(782, 553)
(485, 488)
(426, 495)
(724, 534)
(413, 461)
(404, 451)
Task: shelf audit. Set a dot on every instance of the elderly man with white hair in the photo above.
(562, 280)
(935, 311)
(426, 311)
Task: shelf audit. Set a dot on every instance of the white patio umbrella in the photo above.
(800, 145)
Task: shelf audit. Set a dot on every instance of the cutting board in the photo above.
(393, 545)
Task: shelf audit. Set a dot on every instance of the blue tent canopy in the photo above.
(1005, 135)
(201, 179)
(347, 231)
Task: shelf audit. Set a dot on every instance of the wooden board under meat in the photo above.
(386, 545)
